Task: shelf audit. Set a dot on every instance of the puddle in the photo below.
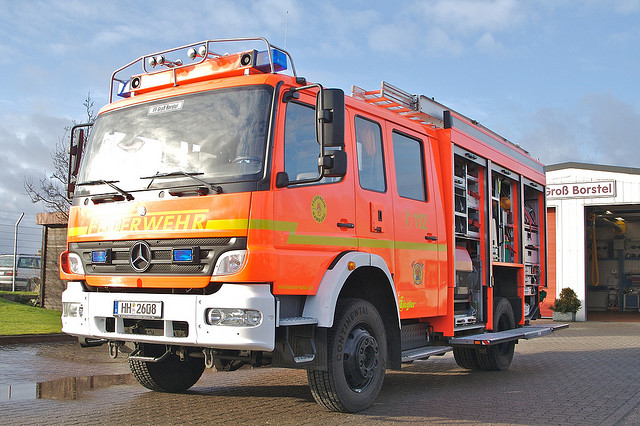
(67, 388)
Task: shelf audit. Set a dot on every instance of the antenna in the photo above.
(286, 25)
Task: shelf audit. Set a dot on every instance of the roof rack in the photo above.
(427, 111)
(193, 54)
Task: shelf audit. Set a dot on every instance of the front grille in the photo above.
(161, 263)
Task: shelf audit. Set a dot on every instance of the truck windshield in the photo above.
(219, 135)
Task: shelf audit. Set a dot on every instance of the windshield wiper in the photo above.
(192, 175)
(122, 192)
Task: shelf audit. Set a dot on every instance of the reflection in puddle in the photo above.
(67, 388)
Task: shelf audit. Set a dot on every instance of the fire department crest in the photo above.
(318, 209)
(418, 272)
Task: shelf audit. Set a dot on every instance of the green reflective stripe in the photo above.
(408, 245)
(347, 242)
(371, 243)
(273, 225)
(316, 240)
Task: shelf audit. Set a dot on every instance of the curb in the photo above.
(35, 338)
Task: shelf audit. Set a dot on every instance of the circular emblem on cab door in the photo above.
(140, 256)
(142, 210)
(318, 209)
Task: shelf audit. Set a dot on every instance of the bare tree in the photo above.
(52, 189)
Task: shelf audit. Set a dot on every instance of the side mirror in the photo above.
(334, 164)
(79, 136)
(330, 116)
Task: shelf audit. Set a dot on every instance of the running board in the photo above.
(488, 339)
(424, 352)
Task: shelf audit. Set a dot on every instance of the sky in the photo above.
(558, 77)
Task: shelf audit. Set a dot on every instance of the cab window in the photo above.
(370, 155)
(408, 155)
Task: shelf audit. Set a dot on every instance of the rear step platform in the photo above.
(488, 339)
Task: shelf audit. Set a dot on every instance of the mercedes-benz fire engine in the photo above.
(228, 212)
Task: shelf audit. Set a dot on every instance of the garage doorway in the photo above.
(612, 261)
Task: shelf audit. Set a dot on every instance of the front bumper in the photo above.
(183, 311)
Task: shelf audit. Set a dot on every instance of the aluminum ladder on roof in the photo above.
(414, 107)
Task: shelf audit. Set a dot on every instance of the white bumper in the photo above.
(98, 320)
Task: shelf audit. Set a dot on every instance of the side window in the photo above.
(408, 155)
(370, 155)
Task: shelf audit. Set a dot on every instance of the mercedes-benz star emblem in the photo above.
(140, 256)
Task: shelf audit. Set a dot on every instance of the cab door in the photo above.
(373, 200)
(313, 221)
(418, 237)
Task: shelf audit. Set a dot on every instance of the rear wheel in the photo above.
(499, 357)
(169, 375)
(466, 358)
(356, 358)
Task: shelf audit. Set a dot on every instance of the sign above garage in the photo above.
(597, 189)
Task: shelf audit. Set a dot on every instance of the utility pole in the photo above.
(15, 253)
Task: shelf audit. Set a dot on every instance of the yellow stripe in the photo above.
(227, 224)
(79, 230)
(294, 238)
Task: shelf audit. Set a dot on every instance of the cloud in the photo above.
(470, 17)
(599, 128)
(26, 141)
(447, 27)
(487, 43)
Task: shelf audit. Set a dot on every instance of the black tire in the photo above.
(466, 358)
(499, 357)
(170, 375)
(356, 358)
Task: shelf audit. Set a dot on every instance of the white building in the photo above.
(587, 201)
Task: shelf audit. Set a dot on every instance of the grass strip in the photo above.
(16, 318)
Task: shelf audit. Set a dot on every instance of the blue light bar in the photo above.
(183, 255)
(279, 61)
(101, 256)
(124, 89)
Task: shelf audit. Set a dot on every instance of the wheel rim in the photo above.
(361, 359)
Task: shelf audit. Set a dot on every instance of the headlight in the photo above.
(233, 317)
(75, 264)
(72, 309)
(230, 262)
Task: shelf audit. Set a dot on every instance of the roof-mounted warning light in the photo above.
(160, 60)
(194, 53)
(180, 65)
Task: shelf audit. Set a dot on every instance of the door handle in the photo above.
(431, 238)
(346, 225)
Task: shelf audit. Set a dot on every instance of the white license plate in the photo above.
(131, 309)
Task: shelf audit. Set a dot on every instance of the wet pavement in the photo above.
(587, 374)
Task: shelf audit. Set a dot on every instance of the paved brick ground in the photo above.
(587, 374)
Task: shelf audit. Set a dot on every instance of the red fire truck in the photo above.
(228, 212)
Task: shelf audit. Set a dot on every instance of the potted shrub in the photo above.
(565, 307)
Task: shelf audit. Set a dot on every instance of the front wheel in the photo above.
(169, 375)
(356, 359)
